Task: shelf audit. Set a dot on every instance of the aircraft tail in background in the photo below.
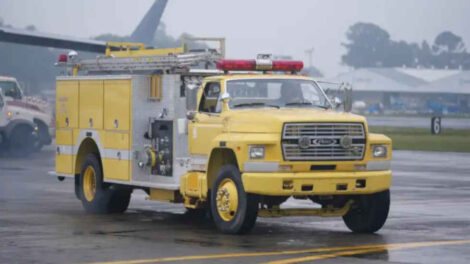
(145, 31)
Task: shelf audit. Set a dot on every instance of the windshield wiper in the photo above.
(255, 104)
(306, 103)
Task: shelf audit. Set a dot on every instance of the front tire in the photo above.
(42, 136)
(368, 213)
(21, 142)
(233, 210)
(96, 196)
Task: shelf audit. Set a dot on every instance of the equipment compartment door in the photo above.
(117, 103)
(116, 157)
(67, 104)
(91, 104)
(117, 125)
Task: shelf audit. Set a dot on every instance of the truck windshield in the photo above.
(9, 88)
(277, 93)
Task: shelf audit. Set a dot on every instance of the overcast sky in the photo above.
(252, 26)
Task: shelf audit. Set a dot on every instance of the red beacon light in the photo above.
(284, 65)
(263, 63)
(63, 58)
(236, 65)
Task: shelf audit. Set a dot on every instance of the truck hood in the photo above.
(271, 120)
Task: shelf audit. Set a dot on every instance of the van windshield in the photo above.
(278, 93)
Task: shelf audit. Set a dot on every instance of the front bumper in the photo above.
(316, 183)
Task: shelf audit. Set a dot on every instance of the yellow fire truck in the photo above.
(237, 141)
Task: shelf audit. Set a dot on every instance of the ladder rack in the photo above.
(170, 63)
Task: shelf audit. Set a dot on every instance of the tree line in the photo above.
(368, 45)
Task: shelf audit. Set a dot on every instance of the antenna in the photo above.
(309, 53)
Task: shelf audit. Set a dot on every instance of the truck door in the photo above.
(207, 123)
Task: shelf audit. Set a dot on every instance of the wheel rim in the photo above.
(89, 183)
(227, 200)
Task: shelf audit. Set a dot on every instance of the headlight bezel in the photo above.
(256, 152)
(380, 151)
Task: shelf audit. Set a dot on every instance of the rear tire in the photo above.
(97, 197)
(120, 199)
(368, 213)
(236, 212)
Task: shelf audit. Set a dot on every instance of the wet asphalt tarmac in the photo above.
(41, 221)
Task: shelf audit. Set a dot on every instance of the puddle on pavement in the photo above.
(203, 243)
(11, 169)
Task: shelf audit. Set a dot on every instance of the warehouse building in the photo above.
(405, 90)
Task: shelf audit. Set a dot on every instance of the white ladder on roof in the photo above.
(164, 63)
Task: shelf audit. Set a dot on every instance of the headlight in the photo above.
(379, 151)
(256, 152)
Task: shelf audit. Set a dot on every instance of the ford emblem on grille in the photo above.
(304, 142)
(345, 142)
(323, 141)
(319, 141)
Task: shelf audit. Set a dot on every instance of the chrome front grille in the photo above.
(323, 141)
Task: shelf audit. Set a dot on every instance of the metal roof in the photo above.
(428, 75)
(398, 76)
(456, 84)
(407, 80)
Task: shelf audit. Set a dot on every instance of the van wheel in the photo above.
(96, 196)
(42, 136)
(21, 142)
(368, 213)
(233, 210)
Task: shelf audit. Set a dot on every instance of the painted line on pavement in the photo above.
(370, 250)
(344, 251)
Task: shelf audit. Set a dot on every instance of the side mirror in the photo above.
(225, 96)
(190, 115)
(347, 102)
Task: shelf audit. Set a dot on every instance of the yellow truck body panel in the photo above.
(97, 109)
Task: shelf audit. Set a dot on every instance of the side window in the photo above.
(10, 89)
(210, 98)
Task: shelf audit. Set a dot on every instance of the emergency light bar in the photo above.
(259, 65)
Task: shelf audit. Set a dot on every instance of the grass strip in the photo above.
(421, 139)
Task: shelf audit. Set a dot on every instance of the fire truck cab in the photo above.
(237, 141)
